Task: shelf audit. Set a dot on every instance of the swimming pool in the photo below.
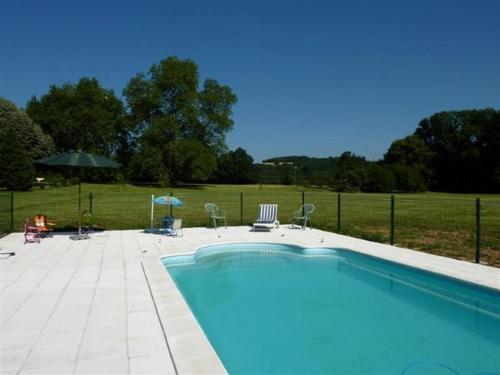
(274, 308)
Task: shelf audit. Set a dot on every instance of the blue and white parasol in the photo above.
(163, 200)
(168, 200)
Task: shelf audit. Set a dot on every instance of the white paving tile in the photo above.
(17, 341)
(66, 336)
(12, 360)
(86, 307)
(151, 364)
(99, 342)
(55, 369)
(52, 355)
(107, 365)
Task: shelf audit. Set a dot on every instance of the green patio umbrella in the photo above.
(79, 159)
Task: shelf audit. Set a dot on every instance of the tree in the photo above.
(286, 174)
(34, 141)
(464, 149)
(194, 161)
(410, 151)
(321, 178)
(380, 179)
(235, 167)
(16, 168)
(408, 179)
(408, 159)
(146, 166)
(84, 117)
(171, 114)
(350, 172)
(216, 103)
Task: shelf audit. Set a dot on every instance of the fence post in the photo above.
(91, 198)
(12, 211)
(339, 200)
(392, 220)
(478, 230)
(79, 197)
(303, 201)
(241, 208)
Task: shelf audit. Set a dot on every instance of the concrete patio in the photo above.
(88, 307)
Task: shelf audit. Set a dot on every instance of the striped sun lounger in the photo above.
(268, 217)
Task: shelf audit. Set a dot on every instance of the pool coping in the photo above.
(188, 344)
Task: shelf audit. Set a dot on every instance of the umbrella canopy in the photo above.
(79, 159)
(167, 200)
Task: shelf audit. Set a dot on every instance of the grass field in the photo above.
(433, 222)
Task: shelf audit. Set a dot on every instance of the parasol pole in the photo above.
(170, 205)
(79, 206)
(79, 195)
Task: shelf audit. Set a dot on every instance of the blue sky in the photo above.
(312, 77)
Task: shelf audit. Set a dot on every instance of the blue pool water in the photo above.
(279, 309)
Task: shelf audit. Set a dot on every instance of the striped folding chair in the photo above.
(268, 217)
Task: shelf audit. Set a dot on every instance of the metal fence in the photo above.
(467, 229)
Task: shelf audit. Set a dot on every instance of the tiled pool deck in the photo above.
(87, 306)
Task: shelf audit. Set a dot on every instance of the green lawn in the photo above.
(433, 222)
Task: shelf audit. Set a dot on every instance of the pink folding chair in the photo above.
(31, 234)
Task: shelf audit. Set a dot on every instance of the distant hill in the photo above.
(285, 159)
(303, 161)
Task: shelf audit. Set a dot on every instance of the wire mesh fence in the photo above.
(5, 213)
(490, 232)
(444, 227)
(455, 228)
(366, 216)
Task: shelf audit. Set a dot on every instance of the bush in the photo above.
(408, 179)
(16, 168)
(380, 179)
(55, 179)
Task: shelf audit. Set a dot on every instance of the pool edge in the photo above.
(189, 347)
(172, 308)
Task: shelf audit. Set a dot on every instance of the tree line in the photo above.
(170, 128)
(451, 151)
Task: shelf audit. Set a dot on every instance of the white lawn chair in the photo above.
(177, 228)
(268, 217)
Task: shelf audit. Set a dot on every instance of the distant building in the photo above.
(278, 163)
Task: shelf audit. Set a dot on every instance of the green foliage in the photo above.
(351, 172)
(286, 174)
(84, 117)
(301, 170)
(408, 161)
(194, 161)
(380, 178)
(174, 131)
(410, 151)
(34, 141)
(55, 179)
(449, 151)
(235, 167)
(408, 179)
(321, 178)
(216, 103)
(16, 168)
(186, 127)
(147, 166)
(464, 149)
